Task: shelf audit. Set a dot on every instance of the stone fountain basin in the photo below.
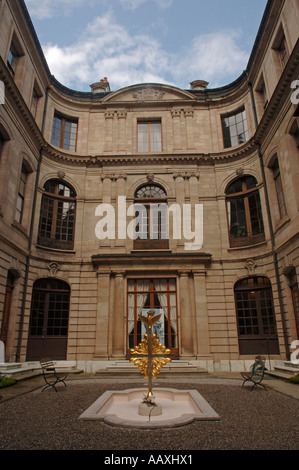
(179, 407)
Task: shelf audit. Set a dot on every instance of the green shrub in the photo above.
(295, 379)
(6, 382)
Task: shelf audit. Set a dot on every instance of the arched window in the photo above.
(151, 218)
(255, 316)
(57, 218)
(244, 212)
(49, 318)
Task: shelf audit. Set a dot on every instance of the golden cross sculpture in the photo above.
(150, 353)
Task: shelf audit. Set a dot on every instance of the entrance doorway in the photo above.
(153, 294)
(7, 307)
(48, 330)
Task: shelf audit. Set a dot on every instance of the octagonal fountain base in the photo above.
(179, 407)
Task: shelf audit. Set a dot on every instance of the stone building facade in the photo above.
(214, 174)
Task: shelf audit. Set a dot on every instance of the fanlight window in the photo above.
(151, 218)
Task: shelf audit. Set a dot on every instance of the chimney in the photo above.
(99, 87)
(199, 85)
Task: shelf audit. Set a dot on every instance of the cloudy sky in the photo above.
(137, 41)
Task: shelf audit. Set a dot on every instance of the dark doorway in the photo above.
(48, 329)
(256, 317)
(7, 306)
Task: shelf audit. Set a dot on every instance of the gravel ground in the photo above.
(257, 420)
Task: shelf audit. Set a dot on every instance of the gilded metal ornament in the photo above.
(150, 352)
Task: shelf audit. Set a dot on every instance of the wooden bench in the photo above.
(256, 373)
(51, 376)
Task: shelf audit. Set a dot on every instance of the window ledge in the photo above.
(20, 227)
(282, 222)
(158, 250)
(57, 250)
(246, 247)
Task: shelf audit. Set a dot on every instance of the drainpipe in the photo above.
(28, 257)
(272, 237)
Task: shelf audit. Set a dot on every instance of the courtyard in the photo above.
(259, 420)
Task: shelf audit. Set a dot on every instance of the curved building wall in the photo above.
(49, 233)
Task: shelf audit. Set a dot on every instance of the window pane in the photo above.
(279, 191)
(149, 137)
(255, 214)
(57, 216)
(156, 141)
(237, 218)
(234, 128)
(64, 133)
(143, 137)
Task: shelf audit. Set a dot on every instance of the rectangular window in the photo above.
(34, 102)
(279, 189)
(234, 128)
(157, 295)
(64, 132)
(149, 136)
(281, 49)
(21, 196)
(261, 96)
(283, 53)
(12, 59)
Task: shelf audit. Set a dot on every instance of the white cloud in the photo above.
(107, 49)
(213, 57)
(134, 4)
(42, 9)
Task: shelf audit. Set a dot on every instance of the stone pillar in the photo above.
(121, 115)
(106, 190)
(102, 323)
(193, 185)
(189, 128)
(121, 234)
(109, 118)
(118, 326)
(106, 199)
(176, 117)
(201, 309)
(186, 320)
(180, 200)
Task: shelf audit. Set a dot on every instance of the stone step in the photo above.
(287, 369)
(126, 368)
(278, 374)
(30, 369)
(291, 364)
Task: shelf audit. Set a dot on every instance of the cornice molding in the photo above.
(17, 100)
(281, 94)
(182, 157)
